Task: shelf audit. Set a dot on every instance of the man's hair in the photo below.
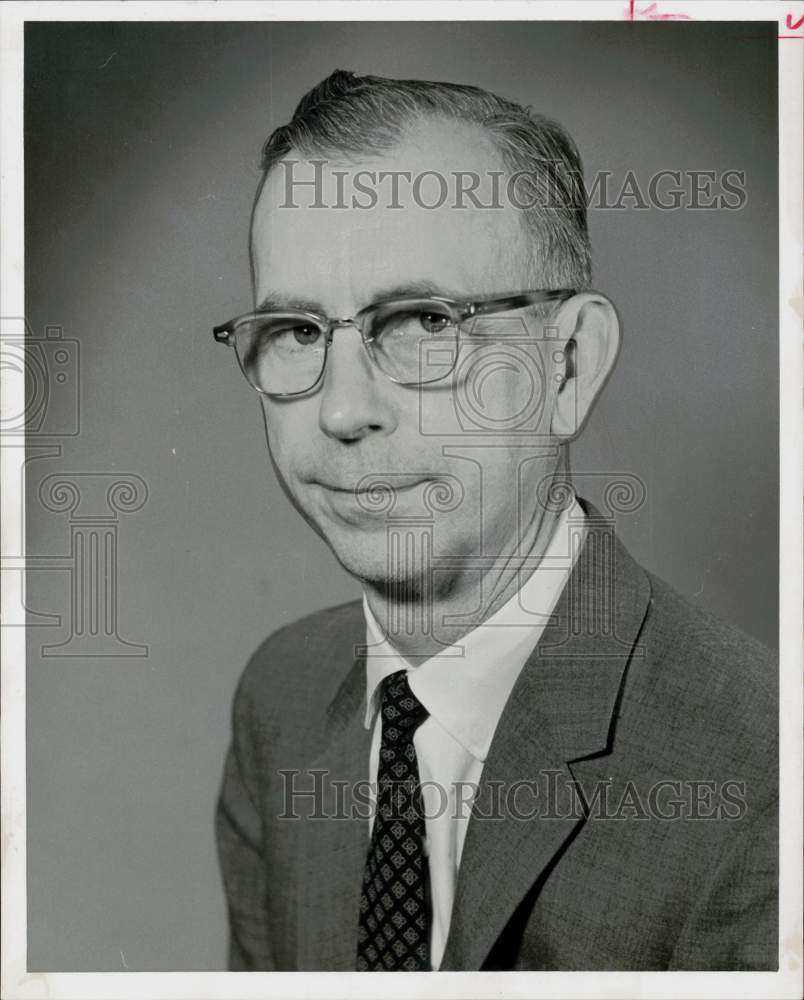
(350, 116)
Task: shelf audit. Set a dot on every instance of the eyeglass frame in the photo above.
(225, 332)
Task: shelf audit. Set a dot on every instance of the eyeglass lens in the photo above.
(412, 342)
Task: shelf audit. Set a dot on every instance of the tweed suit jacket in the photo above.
(644, 734)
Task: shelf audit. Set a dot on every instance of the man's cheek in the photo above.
(284, 442)
(281, 453)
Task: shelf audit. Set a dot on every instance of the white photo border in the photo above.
(787, 982)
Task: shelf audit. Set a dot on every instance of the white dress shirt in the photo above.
(464, 688)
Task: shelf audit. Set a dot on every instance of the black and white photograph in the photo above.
(402, 480)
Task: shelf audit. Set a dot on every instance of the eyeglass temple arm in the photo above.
(519, 301)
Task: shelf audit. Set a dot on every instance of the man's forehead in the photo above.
(386, 218)
(410, 172)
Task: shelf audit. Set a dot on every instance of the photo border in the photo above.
(787, 982)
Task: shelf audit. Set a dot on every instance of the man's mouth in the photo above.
(371, 484)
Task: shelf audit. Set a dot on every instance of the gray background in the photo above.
(142, 146)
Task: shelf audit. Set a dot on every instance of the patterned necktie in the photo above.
(394, 931)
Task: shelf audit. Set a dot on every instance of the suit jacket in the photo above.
(647, 841)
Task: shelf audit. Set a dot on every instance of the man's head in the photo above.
(351, 211)
(349, 119)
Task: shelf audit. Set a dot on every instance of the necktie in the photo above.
(394, 933)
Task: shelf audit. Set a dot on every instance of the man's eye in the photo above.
(408, 326)
(434, 322)
(286, 335)
(305, 335)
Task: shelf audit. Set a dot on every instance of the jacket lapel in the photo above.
(332, 850)
(560, 711)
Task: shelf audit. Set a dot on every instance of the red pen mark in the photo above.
(650, 13)
(788, 23)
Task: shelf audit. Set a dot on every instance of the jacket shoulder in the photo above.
(296, 671)
(727, 653)
(710, 688)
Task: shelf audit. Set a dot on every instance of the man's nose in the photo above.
(354, 396)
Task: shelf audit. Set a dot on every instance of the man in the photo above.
(520, 750)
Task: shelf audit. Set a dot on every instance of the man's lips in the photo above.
(378, 494)
(368, 485)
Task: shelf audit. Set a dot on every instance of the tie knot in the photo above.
(401, 709)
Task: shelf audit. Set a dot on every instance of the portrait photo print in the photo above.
(401, 496)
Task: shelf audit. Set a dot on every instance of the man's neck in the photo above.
(465, 600)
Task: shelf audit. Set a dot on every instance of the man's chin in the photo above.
(375, 562)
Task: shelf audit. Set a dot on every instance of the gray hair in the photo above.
(347, 115)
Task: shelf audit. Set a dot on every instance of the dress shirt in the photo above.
(464, 688)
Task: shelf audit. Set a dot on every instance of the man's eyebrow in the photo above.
(275, 301)
(423, 288)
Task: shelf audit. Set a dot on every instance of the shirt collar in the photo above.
(466, 685)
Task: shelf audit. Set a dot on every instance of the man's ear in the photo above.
(589, 327)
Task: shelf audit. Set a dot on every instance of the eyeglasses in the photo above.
(413, 341)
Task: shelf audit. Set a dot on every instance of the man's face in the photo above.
(480, 436)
